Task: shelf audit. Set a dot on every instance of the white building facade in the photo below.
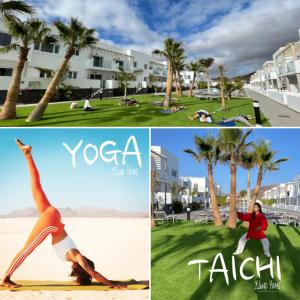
(279, 79)
(166, 167)
(195, 190)
(286, 195)
(91, 68)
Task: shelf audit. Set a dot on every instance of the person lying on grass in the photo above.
(129, 102)
(203, 116)
(240, 118)
(175, 109)
(49, 222)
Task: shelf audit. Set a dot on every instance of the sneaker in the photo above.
(237, 253)
(268, 254)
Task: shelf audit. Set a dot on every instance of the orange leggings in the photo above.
(49, 221)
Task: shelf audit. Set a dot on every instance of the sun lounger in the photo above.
(163, 217)
(281, 221)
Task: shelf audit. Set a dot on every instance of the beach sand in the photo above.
(119, 247)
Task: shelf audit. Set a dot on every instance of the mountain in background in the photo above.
(82, 211)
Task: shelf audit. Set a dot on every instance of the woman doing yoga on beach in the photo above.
(49, 222)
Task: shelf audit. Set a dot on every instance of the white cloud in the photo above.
(244, 39)
(114, 17)
(241, 34)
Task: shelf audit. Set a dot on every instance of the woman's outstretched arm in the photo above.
(80, 259)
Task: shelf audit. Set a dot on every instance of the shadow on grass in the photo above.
(216, 241)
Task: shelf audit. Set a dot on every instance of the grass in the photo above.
(109, 113)
(174, 245)
(33, 285)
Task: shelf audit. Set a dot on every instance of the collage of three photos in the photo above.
(149, 149)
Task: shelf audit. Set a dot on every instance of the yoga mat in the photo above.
(227, 124)
(33, 285)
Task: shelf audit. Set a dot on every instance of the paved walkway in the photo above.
(277, 114)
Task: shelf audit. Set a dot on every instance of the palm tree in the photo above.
(179, 65)
(152, 79)
(172, 51)
(207, 63)
(75, 36)
(233, 145)
(124, 79)
(194, 67)
(221, 68)
(25, 33)
(175, 189)
(247, 161)
(11, 8)
(208, 151)
(155, 181)
(265, 163)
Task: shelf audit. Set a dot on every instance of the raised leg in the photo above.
(40, 231)
(40, 198)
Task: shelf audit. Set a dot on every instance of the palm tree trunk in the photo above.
(213, 197)
(179, 85)
(39, 110)
(208, 84)
(153, 223)
(167, 99)
(232, 203)
(256, 190)
(246, 224)
(125, 89)
(192, 86)
(9, 107)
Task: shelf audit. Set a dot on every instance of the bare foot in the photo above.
(191, 118)
(9, 283)
(24, 148)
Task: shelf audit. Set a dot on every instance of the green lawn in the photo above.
(173, 246)
(108, 112)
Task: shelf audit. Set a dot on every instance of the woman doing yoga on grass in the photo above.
(49, 222)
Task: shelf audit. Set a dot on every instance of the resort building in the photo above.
(279, 79)
(90, 69)
(165, 165)
(195, 190)
(286, 195)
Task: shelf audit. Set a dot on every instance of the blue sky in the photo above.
(285, 141)
(65, 186)
(241, 34)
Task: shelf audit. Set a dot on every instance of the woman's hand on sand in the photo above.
(100, 278)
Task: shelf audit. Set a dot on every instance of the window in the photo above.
(72, 75)
(98, 61)
(96, 76)
(174, 173)
(134, 64)
(145, 78)
(6, 72)
(121, 64)
(47, 47)
(76, 52)
(44, 47)
(45, 73)
(5, 39)
(145, 66)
